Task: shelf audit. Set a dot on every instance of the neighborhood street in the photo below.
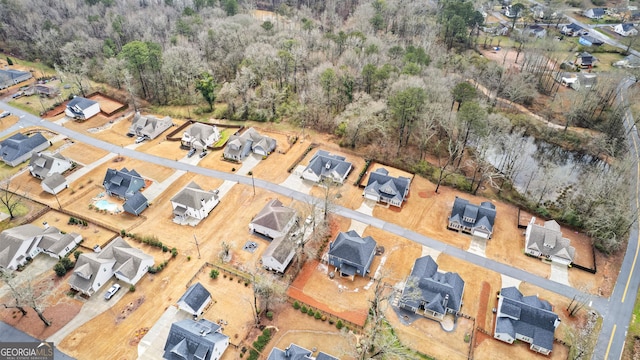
(596, 302)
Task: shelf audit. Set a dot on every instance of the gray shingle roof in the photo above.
(548, 240)
(297, 352)
(19, 144)
(386, 186)
(148, 125)
(135, 204)
(54, 180)
(195, 296)
(534, 318)
(192, 196)
(123, 183)
(352, 247)
(12, 239)
(274, 216)
(484, 214)
(237, 144)
(280, 249)
(41, 163)
(323, 164)
(434, 287)
(193, 340)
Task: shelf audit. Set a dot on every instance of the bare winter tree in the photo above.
(266, 290)
(26, 295)
(10, 199)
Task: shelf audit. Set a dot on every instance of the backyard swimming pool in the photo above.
(106, 205)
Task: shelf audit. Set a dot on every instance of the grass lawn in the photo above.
(22, 105)
(605, 61)
(633, 331)
(40, 68)
(224, 135)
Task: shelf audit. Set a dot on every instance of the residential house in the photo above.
(585, 60)
(46, 90)
(536, 31)
(594, 13)
(240, 146)
(57, 244)
(192, 204)
(149, 126)
(573, 30)
(274, 220)
(190, 340)
(627, 29)
(547, 242)
(630, 62)
(525, 318)
(387, 189)
(350, 254)
(323, 165)
(588, 40)
(24, 242)
(432, 293)
(297, 352)
(54, 183)
(135, 204)
(473, 219)
(81, 108)
(19, 147)
(122, 183)
(45, 164)
(18, 245)
(118, 258)
(278, 255)
(200, 136)
(579, 80)
(195, 299)
(10, 77)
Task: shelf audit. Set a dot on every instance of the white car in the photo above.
(140, 139)
(4, 114)
(112, 291)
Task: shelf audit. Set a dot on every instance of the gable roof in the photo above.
(388, 187)
(274, 216)
(438, 290)
(79, 104)
(19, 144)
(528, 316)
(192, 196)
(41, 163)
(574, 27)
(280, 248)
(626, 27)
(352, 247)
(548, 240)
(323, 164)
(251, 137)
(191, 340)
(13, 239)
(135, 204)
(54, 180)
(123, 183)
(149, 125)
(483, 215)
(54, 241)
(596, 11)
(297, 352)
(195, 296)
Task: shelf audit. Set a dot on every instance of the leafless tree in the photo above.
(10, 199)
(25, 294)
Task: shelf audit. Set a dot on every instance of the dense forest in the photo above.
(389, 78)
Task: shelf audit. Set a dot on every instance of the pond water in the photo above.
(106, 205)
(543, 168)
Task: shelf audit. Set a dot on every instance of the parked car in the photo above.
(203, 154)
(16, 95)
(140, 139)
(191, 152)
(4, 114)
(112, 291)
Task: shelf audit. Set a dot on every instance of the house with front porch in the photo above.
(351, 255)
(547, 242)
(431, 293)
(324, 165)
(45, 164)
(193, 204)
(386, 189)
(200, 136)
(472, 219)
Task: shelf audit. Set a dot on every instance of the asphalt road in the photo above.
(598, 303)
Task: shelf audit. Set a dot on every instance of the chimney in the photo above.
(445, 301)
(328, 165)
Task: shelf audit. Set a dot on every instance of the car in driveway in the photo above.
(112, 291)
(203, 154)
(191, 152)
(4, 114)
(140, 139)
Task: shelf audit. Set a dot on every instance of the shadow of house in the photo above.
(190, 339)
(118, 259)
(122, 183)
(192, 204)
(472, 219)
(45, 164)
(431, 293)
(350, 254)
(323, 165)
(18, 148)
(240, 146)
(80, 108)
(148, 126)
(525, 318)
(387, 189)
(547, 242)
(195, 300)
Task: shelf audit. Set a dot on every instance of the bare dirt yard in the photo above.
(92, 234)
(83, 153)
(108, 105)
(392, 172)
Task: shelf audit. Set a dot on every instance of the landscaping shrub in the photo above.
(76, 254)
(296, 305)
(324, 317)
(269, 315)
(214, 273)
(310, 312)
(339, 325)
(174, 253)
(165, 248)
(59, 269)
(303, 309)
(318, 315)
(132, 288)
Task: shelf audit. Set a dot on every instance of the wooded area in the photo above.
(384, 76)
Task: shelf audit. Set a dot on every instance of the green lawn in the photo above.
(634, 328)
(224, 135)
(39, 68)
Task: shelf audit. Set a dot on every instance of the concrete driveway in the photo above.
(151, 345)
